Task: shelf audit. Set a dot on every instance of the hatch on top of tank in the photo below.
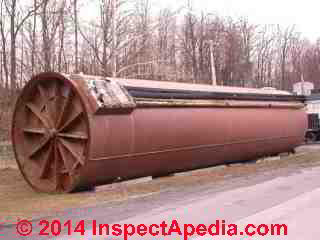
(165, 85)
(149, 89)
(173, 90)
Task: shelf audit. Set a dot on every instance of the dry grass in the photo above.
(18, 200)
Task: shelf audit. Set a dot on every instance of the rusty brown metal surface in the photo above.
(68, 134)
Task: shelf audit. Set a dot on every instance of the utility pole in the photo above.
(114, 38)
(213, 69)
(302, 85)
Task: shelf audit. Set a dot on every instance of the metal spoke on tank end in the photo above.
(65, 105)
(34, 109)
(46, 164)
(76, 155)
(54, 103)
(38, 131)
(53, 90)
(56, 167)
(73, 118)
(45, 100)
(76, 135)
(43, 94)
(58, 173)
(64, 159)
(39, 146)
(75, 165)
(56, 86)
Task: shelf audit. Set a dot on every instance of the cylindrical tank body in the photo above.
(74, 131)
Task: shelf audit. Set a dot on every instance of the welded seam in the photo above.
(190, 148)
(143, 102)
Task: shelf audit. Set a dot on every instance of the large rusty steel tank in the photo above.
(71, 132)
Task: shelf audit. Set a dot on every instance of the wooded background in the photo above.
(133, 39)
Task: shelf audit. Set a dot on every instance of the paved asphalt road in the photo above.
(290, 197)
(293, 200)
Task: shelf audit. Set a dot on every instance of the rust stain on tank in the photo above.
(77, 131)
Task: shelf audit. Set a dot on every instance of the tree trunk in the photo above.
(76, 35)
(13, 72)
(45, 38)
(13, 76)
(33, 51)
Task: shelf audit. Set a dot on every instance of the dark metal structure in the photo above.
(75, 131)
(313, 110)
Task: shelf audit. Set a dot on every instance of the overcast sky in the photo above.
(305, 14)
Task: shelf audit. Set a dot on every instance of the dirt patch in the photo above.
(18, 200)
